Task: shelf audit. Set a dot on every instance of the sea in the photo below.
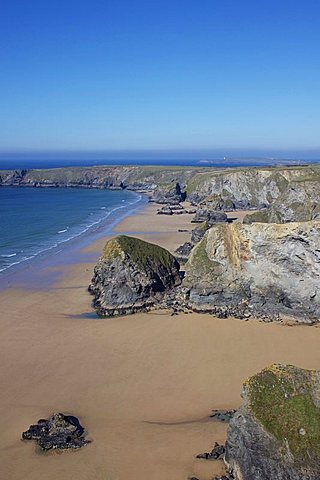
(37, 222)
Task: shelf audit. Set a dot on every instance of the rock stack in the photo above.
(132, 275)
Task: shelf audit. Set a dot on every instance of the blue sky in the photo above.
(160, 75)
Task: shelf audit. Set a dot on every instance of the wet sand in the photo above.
(142, 385)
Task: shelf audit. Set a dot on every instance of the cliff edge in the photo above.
(275, 435)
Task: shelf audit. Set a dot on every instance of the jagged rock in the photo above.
(275, 435)
(171, 210)
(183, 252)
(165, 211)
(132, 275)
(300, 202)
(172, 195)
(223, 415)
(176, 208)
(58, 432)
(198, 233)
(227, 476)
(217, 452)
(263, 269)
(209, 216)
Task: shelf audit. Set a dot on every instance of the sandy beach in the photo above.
(143, 385)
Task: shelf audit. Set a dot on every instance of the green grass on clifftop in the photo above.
(281, 398)
(139, 251)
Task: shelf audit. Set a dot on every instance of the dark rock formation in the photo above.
(132, 275)
(165, 211)
(217, 452)
(275, 435)
(183, 252)
(222, 415)
(58, 432)
(226, 476)
(169, 194)
(210, 216)
(198, 232)
(269, 270)
(172, 210)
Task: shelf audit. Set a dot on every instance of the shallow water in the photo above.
(35, 221)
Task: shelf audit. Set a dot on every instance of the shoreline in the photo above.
(143, 385)
(67, 251)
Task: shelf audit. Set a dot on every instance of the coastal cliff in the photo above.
(276, 433)
(166, 183)
(242, 188)
(269, 270)
(300, 202)
(223, 189)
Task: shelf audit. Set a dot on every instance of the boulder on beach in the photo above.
(275, 435)
(132, 275)
(204, 214)
(57, 432)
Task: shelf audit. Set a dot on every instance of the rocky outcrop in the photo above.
(300, 202)
(204, 214)
(275, 435)
(169, 194)
(178, 209)
(132, 275)
(198, 233)
(245, 188)
(57, 432)
(182, 253)
(268, 270)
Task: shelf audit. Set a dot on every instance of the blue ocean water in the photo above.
(207, 161)
(36, 220)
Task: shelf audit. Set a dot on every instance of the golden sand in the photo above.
(142, 385)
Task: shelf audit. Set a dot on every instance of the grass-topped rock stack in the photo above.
(132, 275)
(275, 435)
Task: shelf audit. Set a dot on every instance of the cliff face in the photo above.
(132, 275)
(300, 202)
(223, 189)
(250, 187)
(275, 435)
(264, 269)
(161, 180)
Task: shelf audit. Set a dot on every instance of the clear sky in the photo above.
(170, 75)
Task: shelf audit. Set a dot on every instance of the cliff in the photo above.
(300, 202)
(242, 188)
(132, 275)
(221, 189)
(276, 433)
(269, 270)
(166, 183)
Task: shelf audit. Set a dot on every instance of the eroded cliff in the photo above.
(269, 270)
(275, 435)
